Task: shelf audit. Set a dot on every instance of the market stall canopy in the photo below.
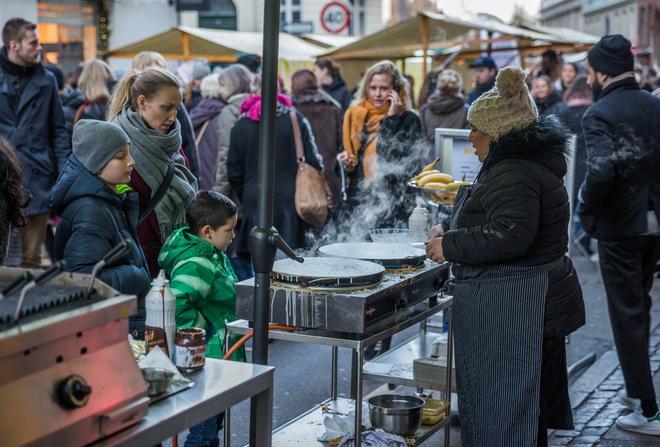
(441, 34)
(328, 41)
(186, 43)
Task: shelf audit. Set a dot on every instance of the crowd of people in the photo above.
(173, 169)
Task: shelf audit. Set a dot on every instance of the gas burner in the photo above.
(338, 306)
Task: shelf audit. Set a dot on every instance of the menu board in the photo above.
(456, 154)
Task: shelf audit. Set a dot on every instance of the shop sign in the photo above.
(193, 5)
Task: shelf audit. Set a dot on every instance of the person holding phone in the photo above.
(380, 136)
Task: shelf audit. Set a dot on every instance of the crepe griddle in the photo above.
(389, 255)
(328, 272)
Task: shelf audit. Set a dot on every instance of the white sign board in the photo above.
(456, 154)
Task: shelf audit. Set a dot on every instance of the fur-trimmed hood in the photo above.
(546, 142)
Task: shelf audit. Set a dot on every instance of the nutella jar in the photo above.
(190, 349)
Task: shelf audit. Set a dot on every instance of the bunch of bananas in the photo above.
(431, 178)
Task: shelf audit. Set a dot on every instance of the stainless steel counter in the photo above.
(219, 386)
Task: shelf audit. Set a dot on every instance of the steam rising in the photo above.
(386, 203)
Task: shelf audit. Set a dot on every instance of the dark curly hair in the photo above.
(12, 188)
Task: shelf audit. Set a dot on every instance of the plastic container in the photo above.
(160, 325)
(418, 223)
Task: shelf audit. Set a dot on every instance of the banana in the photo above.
(430, 166)
(425, 173)
(436, 185)
(439, 177)
(455, 186)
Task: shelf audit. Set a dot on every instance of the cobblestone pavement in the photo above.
(596, 411)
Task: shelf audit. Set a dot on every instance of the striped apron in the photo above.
(498, 320)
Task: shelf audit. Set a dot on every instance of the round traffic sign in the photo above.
(335, 17)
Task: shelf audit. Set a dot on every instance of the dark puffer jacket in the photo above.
(517, 213)
(622, 136)
(95, 219)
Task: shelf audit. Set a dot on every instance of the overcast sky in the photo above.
(500, 8)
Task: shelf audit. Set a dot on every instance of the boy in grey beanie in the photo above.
(99, 210)
(95, 143)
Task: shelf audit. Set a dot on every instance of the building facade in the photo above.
(638, 20)
(562, 13)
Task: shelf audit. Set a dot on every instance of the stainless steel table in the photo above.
(220, 385)
(418, 313)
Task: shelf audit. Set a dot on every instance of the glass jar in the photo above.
(190, 349)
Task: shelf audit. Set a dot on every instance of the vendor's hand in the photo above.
(434, 250)
(436, 231)
(395, 103)
(347, 159)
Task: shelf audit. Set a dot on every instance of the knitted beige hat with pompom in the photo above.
(506, 107)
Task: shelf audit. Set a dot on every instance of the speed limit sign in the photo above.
(335, 17)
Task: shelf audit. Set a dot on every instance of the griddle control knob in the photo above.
(73, 392)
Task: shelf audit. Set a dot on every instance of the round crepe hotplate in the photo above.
(327, 272)
(391, 256)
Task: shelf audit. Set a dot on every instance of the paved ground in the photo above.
(302, 377)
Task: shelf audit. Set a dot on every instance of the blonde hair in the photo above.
(136, 83)
(399, 83)
(450, 83)
(210, 86)
(94, 80)
(148, 59)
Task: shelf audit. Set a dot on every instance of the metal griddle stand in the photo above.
(304, 429)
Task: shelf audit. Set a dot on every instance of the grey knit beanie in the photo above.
(95, 143)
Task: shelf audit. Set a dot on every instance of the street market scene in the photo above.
(344, 223)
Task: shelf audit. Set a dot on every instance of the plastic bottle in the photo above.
(418, 223)
(160, 325)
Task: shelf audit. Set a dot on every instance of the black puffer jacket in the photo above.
(517, 214)
(622, 136)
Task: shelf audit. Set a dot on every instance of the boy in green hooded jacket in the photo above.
(201, 276)
(202, 280)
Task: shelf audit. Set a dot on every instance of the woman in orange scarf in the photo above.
(380, 137)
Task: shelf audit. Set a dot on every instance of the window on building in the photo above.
(290, 11)
(221, 15)
(69, 31)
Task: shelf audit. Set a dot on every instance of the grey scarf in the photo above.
(152, 152)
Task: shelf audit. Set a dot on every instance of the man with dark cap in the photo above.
(251, 61)
(485, 73)
(620, 206)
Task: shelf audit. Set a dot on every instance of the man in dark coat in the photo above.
(31, 118)
(620, 206)
(485, 72)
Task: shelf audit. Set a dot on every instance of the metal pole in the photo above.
(450, 364)
(266, 174)
(333, 378)
(262, 255)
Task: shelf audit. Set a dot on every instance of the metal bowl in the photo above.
(435, 196)
(158, 380)
(396, 413)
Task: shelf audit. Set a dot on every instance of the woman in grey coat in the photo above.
(234, 89)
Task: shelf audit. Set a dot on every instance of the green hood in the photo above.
(181, 245)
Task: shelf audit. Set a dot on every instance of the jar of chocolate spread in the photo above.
(190, 349)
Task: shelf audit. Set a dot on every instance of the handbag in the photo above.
(311, 196)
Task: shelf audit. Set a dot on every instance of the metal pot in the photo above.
(395, 413)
